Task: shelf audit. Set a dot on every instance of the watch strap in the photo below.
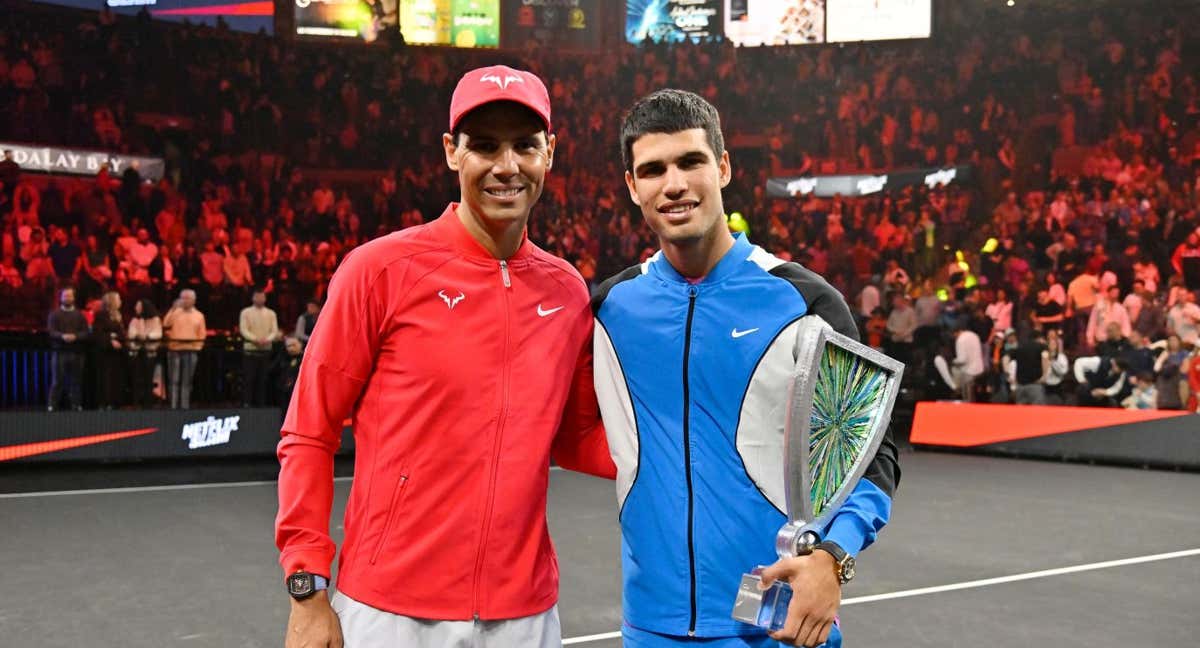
(833, 549)
(843, 562)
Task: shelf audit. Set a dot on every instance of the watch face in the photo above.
(847, 569)
(300, 584)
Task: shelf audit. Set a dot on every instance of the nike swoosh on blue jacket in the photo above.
(694, 414)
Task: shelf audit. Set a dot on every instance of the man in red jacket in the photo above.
(463, 353)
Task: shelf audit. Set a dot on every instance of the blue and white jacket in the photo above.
(692, 381)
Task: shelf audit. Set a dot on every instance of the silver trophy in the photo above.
(840, 403)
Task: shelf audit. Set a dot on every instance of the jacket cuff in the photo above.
(307, 559)
(860, 519)
(849, 532)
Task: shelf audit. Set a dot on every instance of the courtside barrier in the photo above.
(1158, 438)
(140, 435)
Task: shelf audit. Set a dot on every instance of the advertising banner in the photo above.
(672, 21)
(866, 20)
(363, 19)
(139, 435)
(241, 15)
(866, 184)
(475, 23)
(54, 159)
(551, 22)
(461, 23)
(425, 22)
(751, 23)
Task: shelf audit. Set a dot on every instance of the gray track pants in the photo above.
(366, 627)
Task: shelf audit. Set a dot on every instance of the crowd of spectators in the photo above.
(127, 358)
(1081, 127)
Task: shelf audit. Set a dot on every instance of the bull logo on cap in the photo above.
(501, 83)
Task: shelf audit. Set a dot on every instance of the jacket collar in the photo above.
(448, 228)
(726, 267)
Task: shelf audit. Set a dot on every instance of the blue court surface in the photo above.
(981, 552)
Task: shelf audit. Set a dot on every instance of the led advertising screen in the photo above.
(557, 22)
(866, 20)
(242, 15)
(672, 21)
(461, 23)
(425, 22)
(475, 23)
(361, 19)
(751, 23)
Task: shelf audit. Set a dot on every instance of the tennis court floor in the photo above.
(181, 559)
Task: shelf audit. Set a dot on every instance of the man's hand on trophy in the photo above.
(816, 595)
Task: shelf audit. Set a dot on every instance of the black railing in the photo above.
(27, 364)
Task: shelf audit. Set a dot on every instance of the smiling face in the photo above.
(501, 154)
(677, 181)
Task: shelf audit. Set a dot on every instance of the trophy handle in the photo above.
(796, 539)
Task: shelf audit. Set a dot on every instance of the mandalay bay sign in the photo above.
(57, 160)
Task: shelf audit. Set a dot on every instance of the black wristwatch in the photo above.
(302, 585)
(844, 562)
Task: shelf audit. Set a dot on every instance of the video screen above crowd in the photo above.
(248, 16)
(1076, 132)
(753, 23)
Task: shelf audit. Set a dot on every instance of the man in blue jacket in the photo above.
(694, 353)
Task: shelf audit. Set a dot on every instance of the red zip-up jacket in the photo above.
(465, 375)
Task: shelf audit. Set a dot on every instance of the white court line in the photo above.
(591, 638)
(153, 489)
(1045, 573)
(961, 586)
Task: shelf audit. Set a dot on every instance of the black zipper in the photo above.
(687, 454)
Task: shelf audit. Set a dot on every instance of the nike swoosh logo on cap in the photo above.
(737, 334)
(543, 313)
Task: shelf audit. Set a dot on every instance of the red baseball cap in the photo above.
(499, 83)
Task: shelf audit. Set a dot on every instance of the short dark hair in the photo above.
(149, 310)
(670, 111)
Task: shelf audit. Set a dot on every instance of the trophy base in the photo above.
(763, 608)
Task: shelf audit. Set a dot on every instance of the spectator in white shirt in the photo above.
(868, 301)
(1055, 289)
(1184, 319)
(1059, 367)
(1108, 310)
(967, 364)
(1133, 301)
(1000, 312)
(901, 325)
